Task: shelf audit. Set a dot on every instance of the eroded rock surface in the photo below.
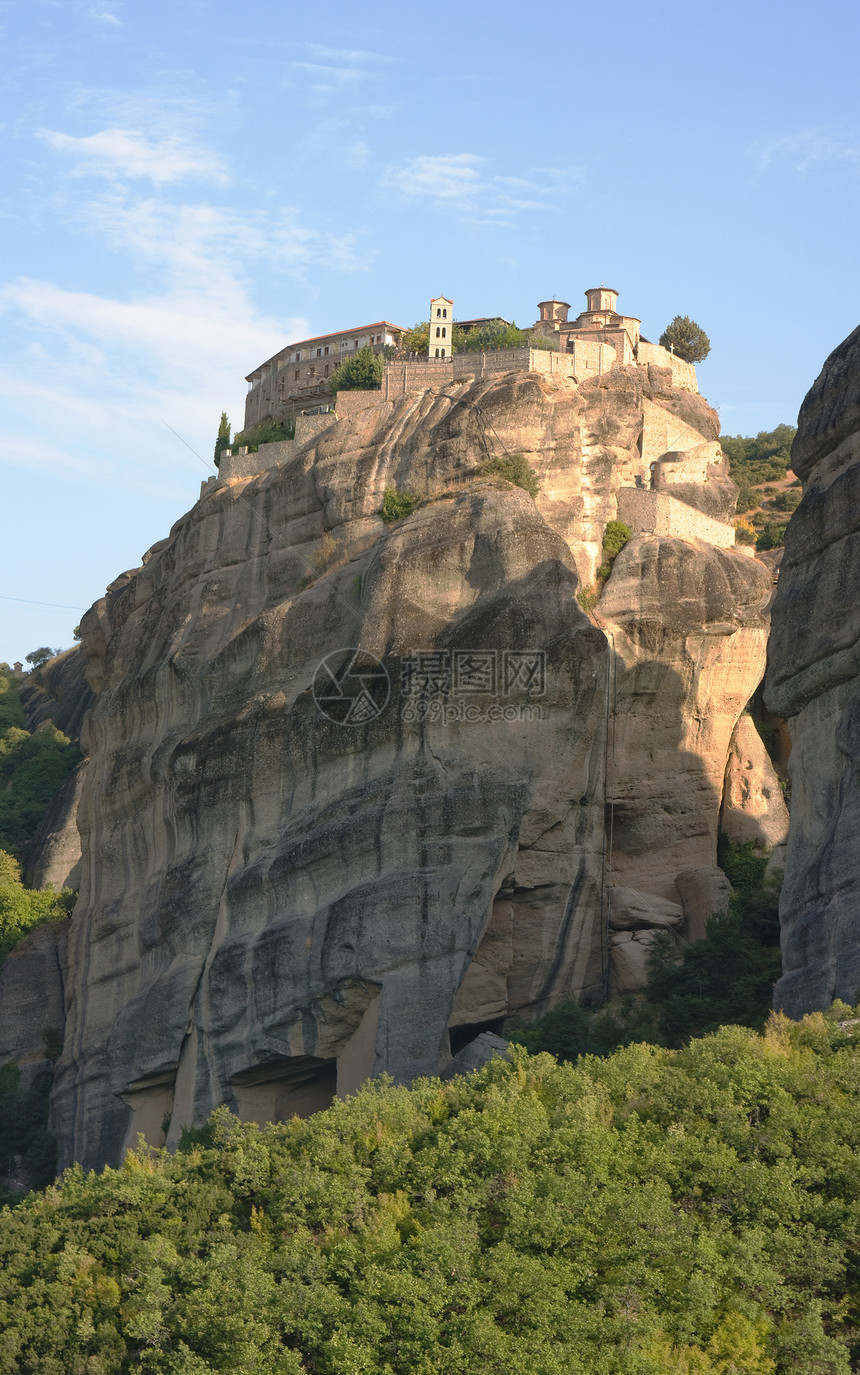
(813, 681)
(274, 903)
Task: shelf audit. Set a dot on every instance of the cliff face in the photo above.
(300, 867)
(814, 680)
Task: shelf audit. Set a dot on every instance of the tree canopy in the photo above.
(687, 339)
(658, 1212)
(362, 371)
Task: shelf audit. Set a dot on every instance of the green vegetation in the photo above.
(362, 371)
(266, 431)
(766, 458)
(24, 1127)
(657, 1212)
(40, 657)
(513, 468)
(615, 536)
(687, 339)
(417, 340)
(495, 335)
(222, 441)
(771, 536)
(397, 505)
(23, 908)
(32, 769)
(693, 989)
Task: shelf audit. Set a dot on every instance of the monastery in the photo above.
(671, 456)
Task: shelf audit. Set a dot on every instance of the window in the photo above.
(443, 353)
(437, 353)
(297, 375)
(444, 331)
(298, 357)
(326, 350)
(355, 343)
(438, 331)
(325, 370)
(438, 313)
(311, 372)
(445, 314)
(319, 353)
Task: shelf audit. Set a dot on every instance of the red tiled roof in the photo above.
(335, 334)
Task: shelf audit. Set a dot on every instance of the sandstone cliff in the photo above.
(294, 875)
(814, 680)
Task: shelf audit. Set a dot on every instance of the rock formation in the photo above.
(301, 867)
(813, 680)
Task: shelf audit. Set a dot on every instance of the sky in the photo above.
(190, 186)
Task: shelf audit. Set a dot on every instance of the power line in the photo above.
(59, 606)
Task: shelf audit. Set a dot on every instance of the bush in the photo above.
(744, 532)
(266, 431)
(362, 371)
(771, 537)
(397, 505)
(513, 468)
(615, 536)
(22, 909)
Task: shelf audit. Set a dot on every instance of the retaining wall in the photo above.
(656, 513)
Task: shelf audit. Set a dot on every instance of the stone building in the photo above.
(600, 320)
(441, 325)
(296, 378)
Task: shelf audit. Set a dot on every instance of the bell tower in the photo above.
(441, 324)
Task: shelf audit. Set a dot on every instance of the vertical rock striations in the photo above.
(290, 881)
(813, 680)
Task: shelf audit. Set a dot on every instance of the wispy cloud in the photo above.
(463, 181)
(130, 154)
(805, 149)
(104, 17)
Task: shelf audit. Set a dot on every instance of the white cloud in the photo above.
(461, 181)
(804, 149)
(127, 153)
(444, 177)
(104, 17)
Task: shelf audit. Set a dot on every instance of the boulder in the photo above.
(753, 804)
(705, 893)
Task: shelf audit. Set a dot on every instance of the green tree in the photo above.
(222, 441)
(362, 371)
(771, 537)
(687, 339)
(513, 468)
(495, 335)
(417, 340)
(39, 657)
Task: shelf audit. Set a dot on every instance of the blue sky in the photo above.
(190, 186)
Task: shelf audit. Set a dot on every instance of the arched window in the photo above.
(437, 331)
(438, 313)
(445, 314)
(443, 353)
(437, 353)
(444, 331)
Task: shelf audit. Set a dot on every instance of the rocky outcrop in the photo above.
(302, 865)
(753, 804)
(56, 853)
(59, 692)
(33, 1000)
(813, 681)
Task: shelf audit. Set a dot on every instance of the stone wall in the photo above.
(683, 374)
(268, 455)
(656, 513)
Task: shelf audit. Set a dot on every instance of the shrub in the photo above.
(744, 532)
(22, 909)
(360, 372)
(513, 468)
(615, 536)
(266, 431)
(397, 505)
(771, 537)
